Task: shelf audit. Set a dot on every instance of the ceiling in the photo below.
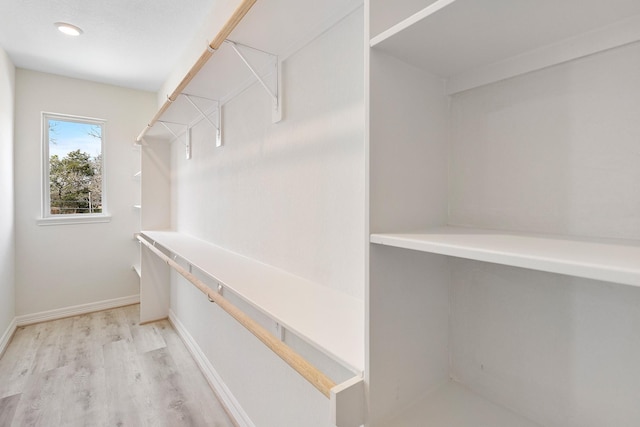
(130, 43)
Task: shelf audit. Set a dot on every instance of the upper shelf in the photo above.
(265, 32)
(610, 260)
(329, 320)
(473, 42)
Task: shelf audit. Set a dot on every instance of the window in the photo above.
(73, 169)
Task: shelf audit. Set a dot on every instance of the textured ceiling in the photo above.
(131, 43)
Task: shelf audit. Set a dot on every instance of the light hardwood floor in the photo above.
(104, 369)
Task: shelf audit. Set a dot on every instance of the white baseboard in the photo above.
(8, 334)
(232, 406)
(76, 310)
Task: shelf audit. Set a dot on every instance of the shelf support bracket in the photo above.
(274, 94)
(280, 331)
(176, 136)
(205, 116)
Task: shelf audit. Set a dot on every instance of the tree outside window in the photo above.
(74, 167)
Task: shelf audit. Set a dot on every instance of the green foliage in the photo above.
(75, 183)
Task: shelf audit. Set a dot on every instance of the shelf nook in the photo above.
(503, 215)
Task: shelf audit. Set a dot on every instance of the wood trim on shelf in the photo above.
(309, 372)
(222, 35)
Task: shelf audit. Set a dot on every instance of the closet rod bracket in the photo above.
(205, 115)
(187, 142)
(274, 93)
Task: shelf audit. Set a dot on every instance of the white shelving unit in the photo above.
(503, 218)
(299, 305)
(326, 324)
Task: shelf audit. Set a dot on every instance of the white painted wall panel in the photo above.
(408, 155)
(7, 230)
(560, 350)
(554, 151)
(66, 265)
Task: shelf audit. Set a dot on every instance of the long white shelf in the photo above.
(454, 405)
(478, 42)
(330, 321)
(276, 27)
(600, 259)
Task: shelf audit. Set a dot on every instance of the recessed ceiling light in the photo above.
(68, 29)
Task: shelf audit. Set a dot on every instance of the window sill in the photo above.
(74, 219)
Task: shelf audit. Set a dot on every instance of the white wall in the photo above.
(290, 195)
(66, 265)
(7, 235)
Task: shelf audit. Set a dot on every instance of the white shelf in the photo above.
(454, 405)
(136, 268)
(278, 28)
(330, 321)
(600, 259)
(464, 39)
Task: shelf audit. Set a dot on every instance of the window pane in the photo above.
(75, 167)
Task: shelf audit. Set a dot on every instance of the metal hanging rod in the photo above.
(309, 372)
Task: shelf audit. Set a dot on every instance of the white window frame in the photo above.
(46, 217)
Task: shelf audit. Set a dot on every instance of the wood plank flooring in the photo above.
(104, 369)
